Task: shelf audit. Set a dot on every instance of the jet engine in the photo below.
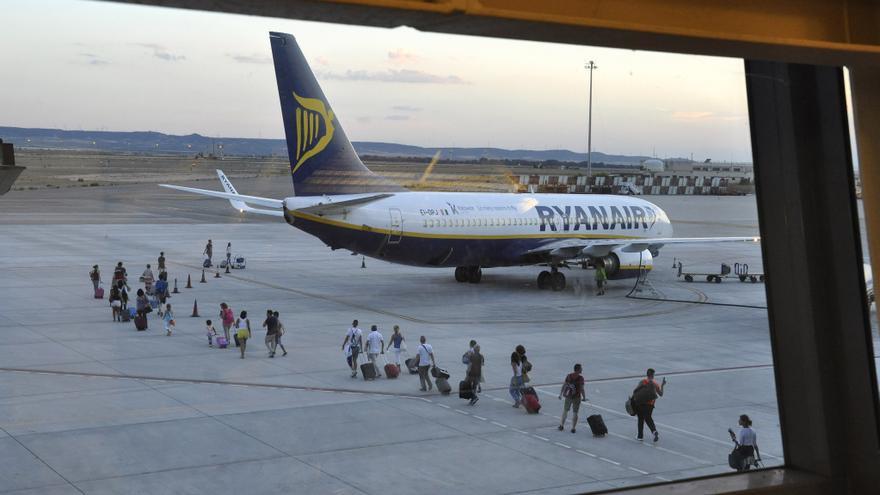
(622, 264)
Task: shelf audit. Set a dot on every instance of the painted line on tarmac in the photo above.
(496, 423)
(198, 381)
(609, 461)
(656, 312)
(579, 451)
(636, 470)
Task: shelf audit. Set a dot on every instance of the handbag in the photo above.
(630, 409)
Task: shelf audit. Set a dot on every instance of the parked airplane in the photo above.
(340, 201)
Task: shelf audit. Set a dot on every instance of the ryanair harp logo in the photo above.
(314, 128)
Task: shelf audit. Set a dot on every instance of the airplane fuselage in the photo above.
(448, 229)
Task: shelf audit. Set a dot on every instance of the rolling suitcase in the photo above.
(438, 372)
(140, 322)
(369, 371)
(124, 315)
(222, 342)
(465, 391)
(99, 293)
(443, 385)
(412, 366)
(597, 425)
(391, 370)
(530, 401)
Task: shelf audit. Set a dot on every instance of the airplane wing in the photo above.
(238, 201)
(573, 248)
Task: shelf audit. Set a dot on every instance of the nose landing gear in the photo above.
(554, 279)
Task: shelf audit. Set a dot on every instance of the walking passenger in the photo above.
(395, 345)
(161, 290)
(210, 332)
(475, 372)
(271, 326)
(142, 304)
(168, 320)
(354, 338)
(121, 275)
(643, 398)
(148, 279)
(425, 360)
(229, 254)
(242, 331)
(746, 443)
(115, 298)
(526, 364)
(279, 334)
(516, 381)
(375, 346)
(161, 265)
(466, 360)
(123, 295)
(227, 317)
(95, 276)
(209, 253)
(573, 392)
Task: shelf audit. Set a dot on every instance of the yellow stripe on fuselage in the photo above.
(424, 235)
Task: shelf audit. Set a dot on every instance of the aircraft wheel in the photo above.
(717, 279)
(461, 274)
(688, 278)
(557, 281)
(742, 278)
(544, 280)
(754, 279)
(710, 278)
(474, 274)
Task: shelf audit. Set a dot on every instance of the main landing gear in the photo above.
(554, 279)
(472, 274)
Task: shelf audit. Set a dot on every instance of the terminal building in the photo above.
(655, 177)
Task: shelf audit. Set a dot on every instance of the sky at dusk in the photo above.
(102, 66)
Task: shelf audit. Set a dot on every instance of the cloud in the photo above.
(92, 59)
(249, 59)
(402, 57)
(397, 117)
(406, 108)
(321, 60)
(161, 52)
(392, 76)
(703, 116)
(691, 116)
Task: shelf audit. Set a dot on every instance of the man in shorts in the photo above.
(355, 340)
(573, 393)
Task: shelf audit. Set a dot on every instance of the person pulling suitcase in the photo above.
(573, 392)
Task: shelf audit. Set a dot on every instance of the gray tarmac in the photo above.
(92, 406)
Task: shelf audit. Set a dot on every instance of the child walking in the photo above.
(209, 330)
(168, 319)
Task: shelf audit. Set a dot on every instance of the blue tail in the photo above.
(322, 160)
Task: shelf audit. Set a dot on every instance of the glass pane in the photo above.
(482, 132)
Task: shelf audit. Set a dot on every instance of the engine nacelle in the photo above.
(620, 264)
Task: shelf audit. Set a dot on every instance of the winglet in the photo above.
(228, 187)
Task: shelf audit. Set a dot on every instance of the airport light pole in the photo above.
(591, 66)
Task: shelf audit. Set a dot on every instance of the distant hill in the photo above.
(157, 142)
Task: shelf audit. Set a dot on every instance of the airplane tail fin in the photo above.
(322, 160)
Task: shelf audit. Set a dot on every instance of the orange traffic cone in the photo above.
(175, 291)
(203, 281)
(189, 284)
(195, 309)
(217, 275)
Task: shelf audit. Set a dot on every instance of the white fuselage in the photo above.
(457, 229)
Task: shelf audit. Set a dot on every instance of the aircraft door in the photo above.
(396, 225)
